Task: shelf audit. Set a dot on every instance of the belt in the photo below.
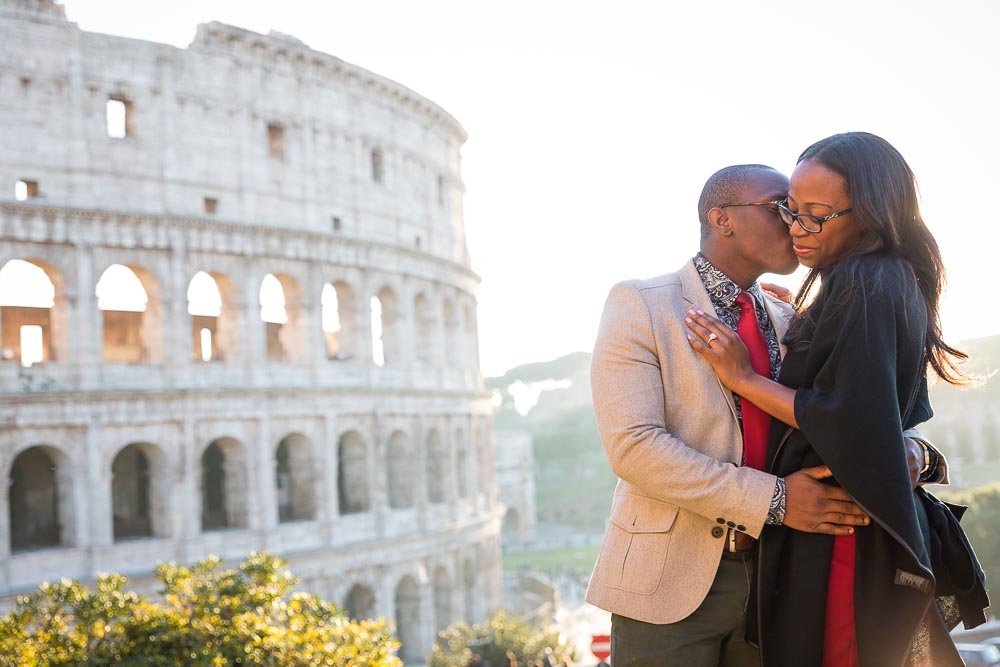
(738, 541)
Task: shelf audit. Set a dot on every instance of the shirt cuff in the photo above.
(776, 513)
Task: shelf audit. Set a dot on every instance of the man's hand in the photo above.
(814, 507)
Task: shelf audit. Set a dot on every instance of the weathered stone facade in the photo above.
(242, 156)
(515, 464)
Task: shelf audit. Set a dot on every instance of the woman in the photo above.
(852, 379)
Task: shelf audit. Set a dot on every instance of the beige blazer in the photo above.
(672, 437)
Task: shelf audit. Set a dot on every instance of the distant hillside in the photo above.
(573, 480)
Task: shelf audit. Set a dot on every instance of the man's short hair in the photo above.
(724, 187)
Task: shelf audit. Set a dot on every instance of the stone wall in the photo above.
(243, 156)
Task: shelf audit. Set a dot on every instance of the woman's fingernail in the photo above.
(688, 320)
(691, 312)
(690, 337)
(701, 312)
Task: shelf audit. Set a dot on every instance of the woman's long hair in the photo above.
(885, 206)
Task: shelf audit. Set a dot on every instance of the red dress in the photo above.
(840, 645)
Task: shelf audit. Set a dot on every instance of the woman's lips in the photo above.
(800, 250)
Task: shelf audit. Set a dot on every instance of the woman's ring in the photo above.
(711, 337)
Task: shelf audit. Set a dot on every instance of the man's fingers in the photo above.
(833, 529)
(844, 519)
(818, 472)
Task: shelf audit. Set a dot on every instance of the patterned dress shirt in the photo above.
(723, 292)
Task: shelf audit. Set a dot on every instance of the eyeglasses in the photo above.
(810, 223)
(772, 204)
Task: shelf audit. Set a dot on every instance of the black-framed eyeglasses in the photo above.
(810, 223)
(773, 205)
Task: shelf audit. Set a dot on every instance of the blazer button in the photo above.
(721, 520)
(731, 524)
(717, 532)
(742, 529)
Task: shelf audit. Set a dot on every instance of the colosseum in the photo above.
(237, 314)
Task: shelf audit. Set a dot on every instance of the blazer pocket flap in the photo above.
(635, 514)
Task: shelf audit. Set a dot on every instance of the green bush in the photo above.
(488, 644)
(209, 617)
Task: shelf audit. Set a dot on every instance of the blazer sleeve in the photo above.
(628, 393)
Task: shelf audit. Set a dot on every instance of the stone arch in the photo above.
(436, 457)
(426, 325)
(294, 478)
(138, 492)
(340, 329)
(33, 312)
(452, 336)
(283, 315)
(461, 463)
(469, 589)
(360, 602)
(388, 324)
(129, 297)
(470, 338)
(214, 308)
(484, 460)
(224, 485)
(353, 486)
(39, 493)
(399, 471)
(442, 599)
(408, 620)
(511, 530)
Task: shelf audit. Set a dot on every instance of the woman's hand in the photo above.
(721, 347)
(778, 292)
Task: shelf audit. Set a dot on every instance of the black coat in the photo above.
(858, 365)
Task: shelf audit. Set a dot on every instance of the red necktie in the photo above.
(756, 422)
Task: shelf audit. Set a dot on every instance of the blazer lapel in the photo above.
(696, 295)
(781, 315)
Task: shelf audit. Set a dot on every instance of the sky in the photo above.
(594, 124)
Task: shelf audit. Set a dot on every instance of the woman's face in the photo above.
(816, 190)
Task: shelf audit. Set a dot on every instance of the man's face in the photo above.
(762, 238)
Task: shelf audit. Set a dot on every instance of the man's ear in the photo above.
(719, 221)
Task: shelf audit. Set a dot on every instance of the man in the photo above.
(676, 562)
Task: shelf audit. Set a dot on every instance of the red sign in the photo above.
(601, 647)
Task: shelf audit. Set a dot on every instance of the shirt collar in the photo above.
(719, 286)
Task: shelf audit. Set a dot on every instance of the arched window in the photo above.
(132, 318)
(130, 494)
(205, 307)
(452, 337)
(378, 166)
(360, 602)
(469, 581)
(378, 345)
(386, 335)
(339, 327)
(399, 472)
(436, 456)
(34, 500)
(352, 474)
(223, 485)
(294, 479)
(462, 463)
(282, 312)
(408, 620)
(426, 341)
(27, 299)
